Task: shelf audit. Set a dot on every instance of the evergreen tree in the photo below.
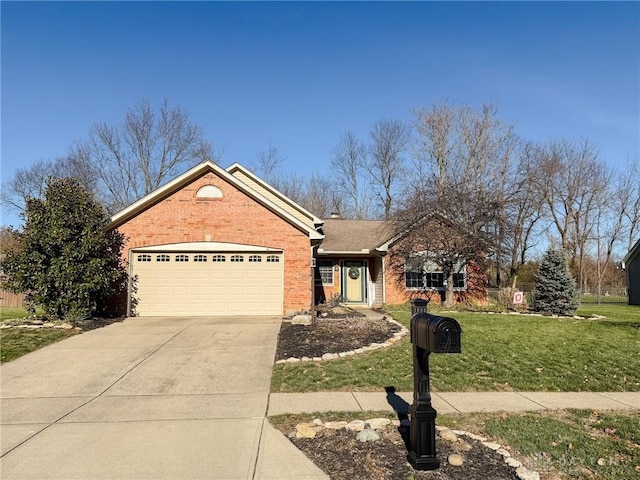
(64, 260)
(555, 291)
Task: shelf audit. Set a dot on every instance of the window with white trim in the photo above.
(182, 258)
(324, 272)
(218, 258)
(273, 258)
(163, 258)
(143, 257)
(199, 258)
(237, 258)
(421, 274)
(255, 258)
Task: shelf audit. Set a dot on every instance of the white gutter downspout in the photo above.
(313, 286)
(129, 283)
(384, 279)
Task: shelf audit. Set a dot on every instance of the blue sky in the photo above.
(297, 75)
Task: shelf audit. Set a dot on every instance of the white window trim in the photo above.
(327, 263)
(460, 270)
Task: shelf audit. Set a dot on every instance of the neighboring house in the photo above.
(631, 264)
(220, 241)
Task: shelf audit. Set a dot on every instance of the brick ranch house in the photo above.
(219, 241)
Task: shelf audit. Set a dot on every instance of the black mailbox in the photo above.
(429, 334)
(436, 334)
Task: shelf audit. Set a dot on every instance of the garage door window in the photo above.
(255, 258)
(237, 258)
(218, 258)
(199, 258)
(182, 258)
(163, 258)
(273, 258)
(144, 258)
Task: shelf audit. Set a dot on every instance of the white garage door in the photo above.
(211, 283)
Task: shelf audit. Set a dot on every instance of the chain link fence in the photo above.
(608, 294)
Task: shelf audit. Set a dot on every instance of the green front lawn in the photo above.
(15, 342)
(499, 353)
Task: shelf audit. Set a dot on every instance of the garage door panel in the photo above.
(208, 287)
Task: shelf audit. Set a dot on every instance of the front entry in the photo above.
(354, 281)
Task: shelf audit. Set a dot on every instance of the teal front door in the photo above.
(354, 281)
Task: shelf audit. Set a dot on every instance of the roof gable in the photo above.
(193, 174)
(277, 197)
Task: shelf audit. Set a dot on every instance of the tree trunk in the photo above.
(449, 300)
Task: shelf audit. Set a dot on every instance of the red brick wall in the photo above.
(234, 218)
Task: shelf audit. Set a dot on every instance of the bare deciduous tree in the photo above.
(321, 197)
(268, 163)
(573, 183)
(348, 168)
(463, 161)
(146, 150)
(462, 170)
(389, 139)
(30, 182)
(522, 211)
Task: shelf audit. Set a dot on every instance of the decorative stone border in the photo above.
(333, 356)
(310, 429)
(37, 324)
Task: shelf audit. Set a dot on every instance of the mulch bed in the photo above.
(342, 457)
(331, 335)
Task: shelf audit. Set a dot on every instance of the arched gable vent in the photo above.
(209, 191)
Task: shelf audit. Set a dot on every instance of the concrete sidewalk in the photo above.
(451, 402)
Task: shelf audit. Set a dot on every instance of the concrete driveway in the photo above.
(148, 398)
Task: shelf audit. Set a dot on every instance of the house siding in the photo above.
(274, 198)
(633, 279)
(234, 218)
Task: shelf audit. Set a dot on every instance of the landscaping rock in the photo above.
(368, 435)
(355, 425)
(377, 423)
(330, 356)
(455, 460)
(335, 425)
(301, 320)
(448, 435)
(503, 452)
(526, 474)
(462, 446)
(304, 430)
(491, 445)
(512, 462)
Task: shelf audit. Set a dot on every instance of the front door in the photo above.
(354, 281)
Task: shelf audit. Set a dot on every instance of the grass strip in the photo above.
(15, 342)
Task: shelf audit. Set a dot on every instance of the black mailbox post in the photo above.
(429, 334)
